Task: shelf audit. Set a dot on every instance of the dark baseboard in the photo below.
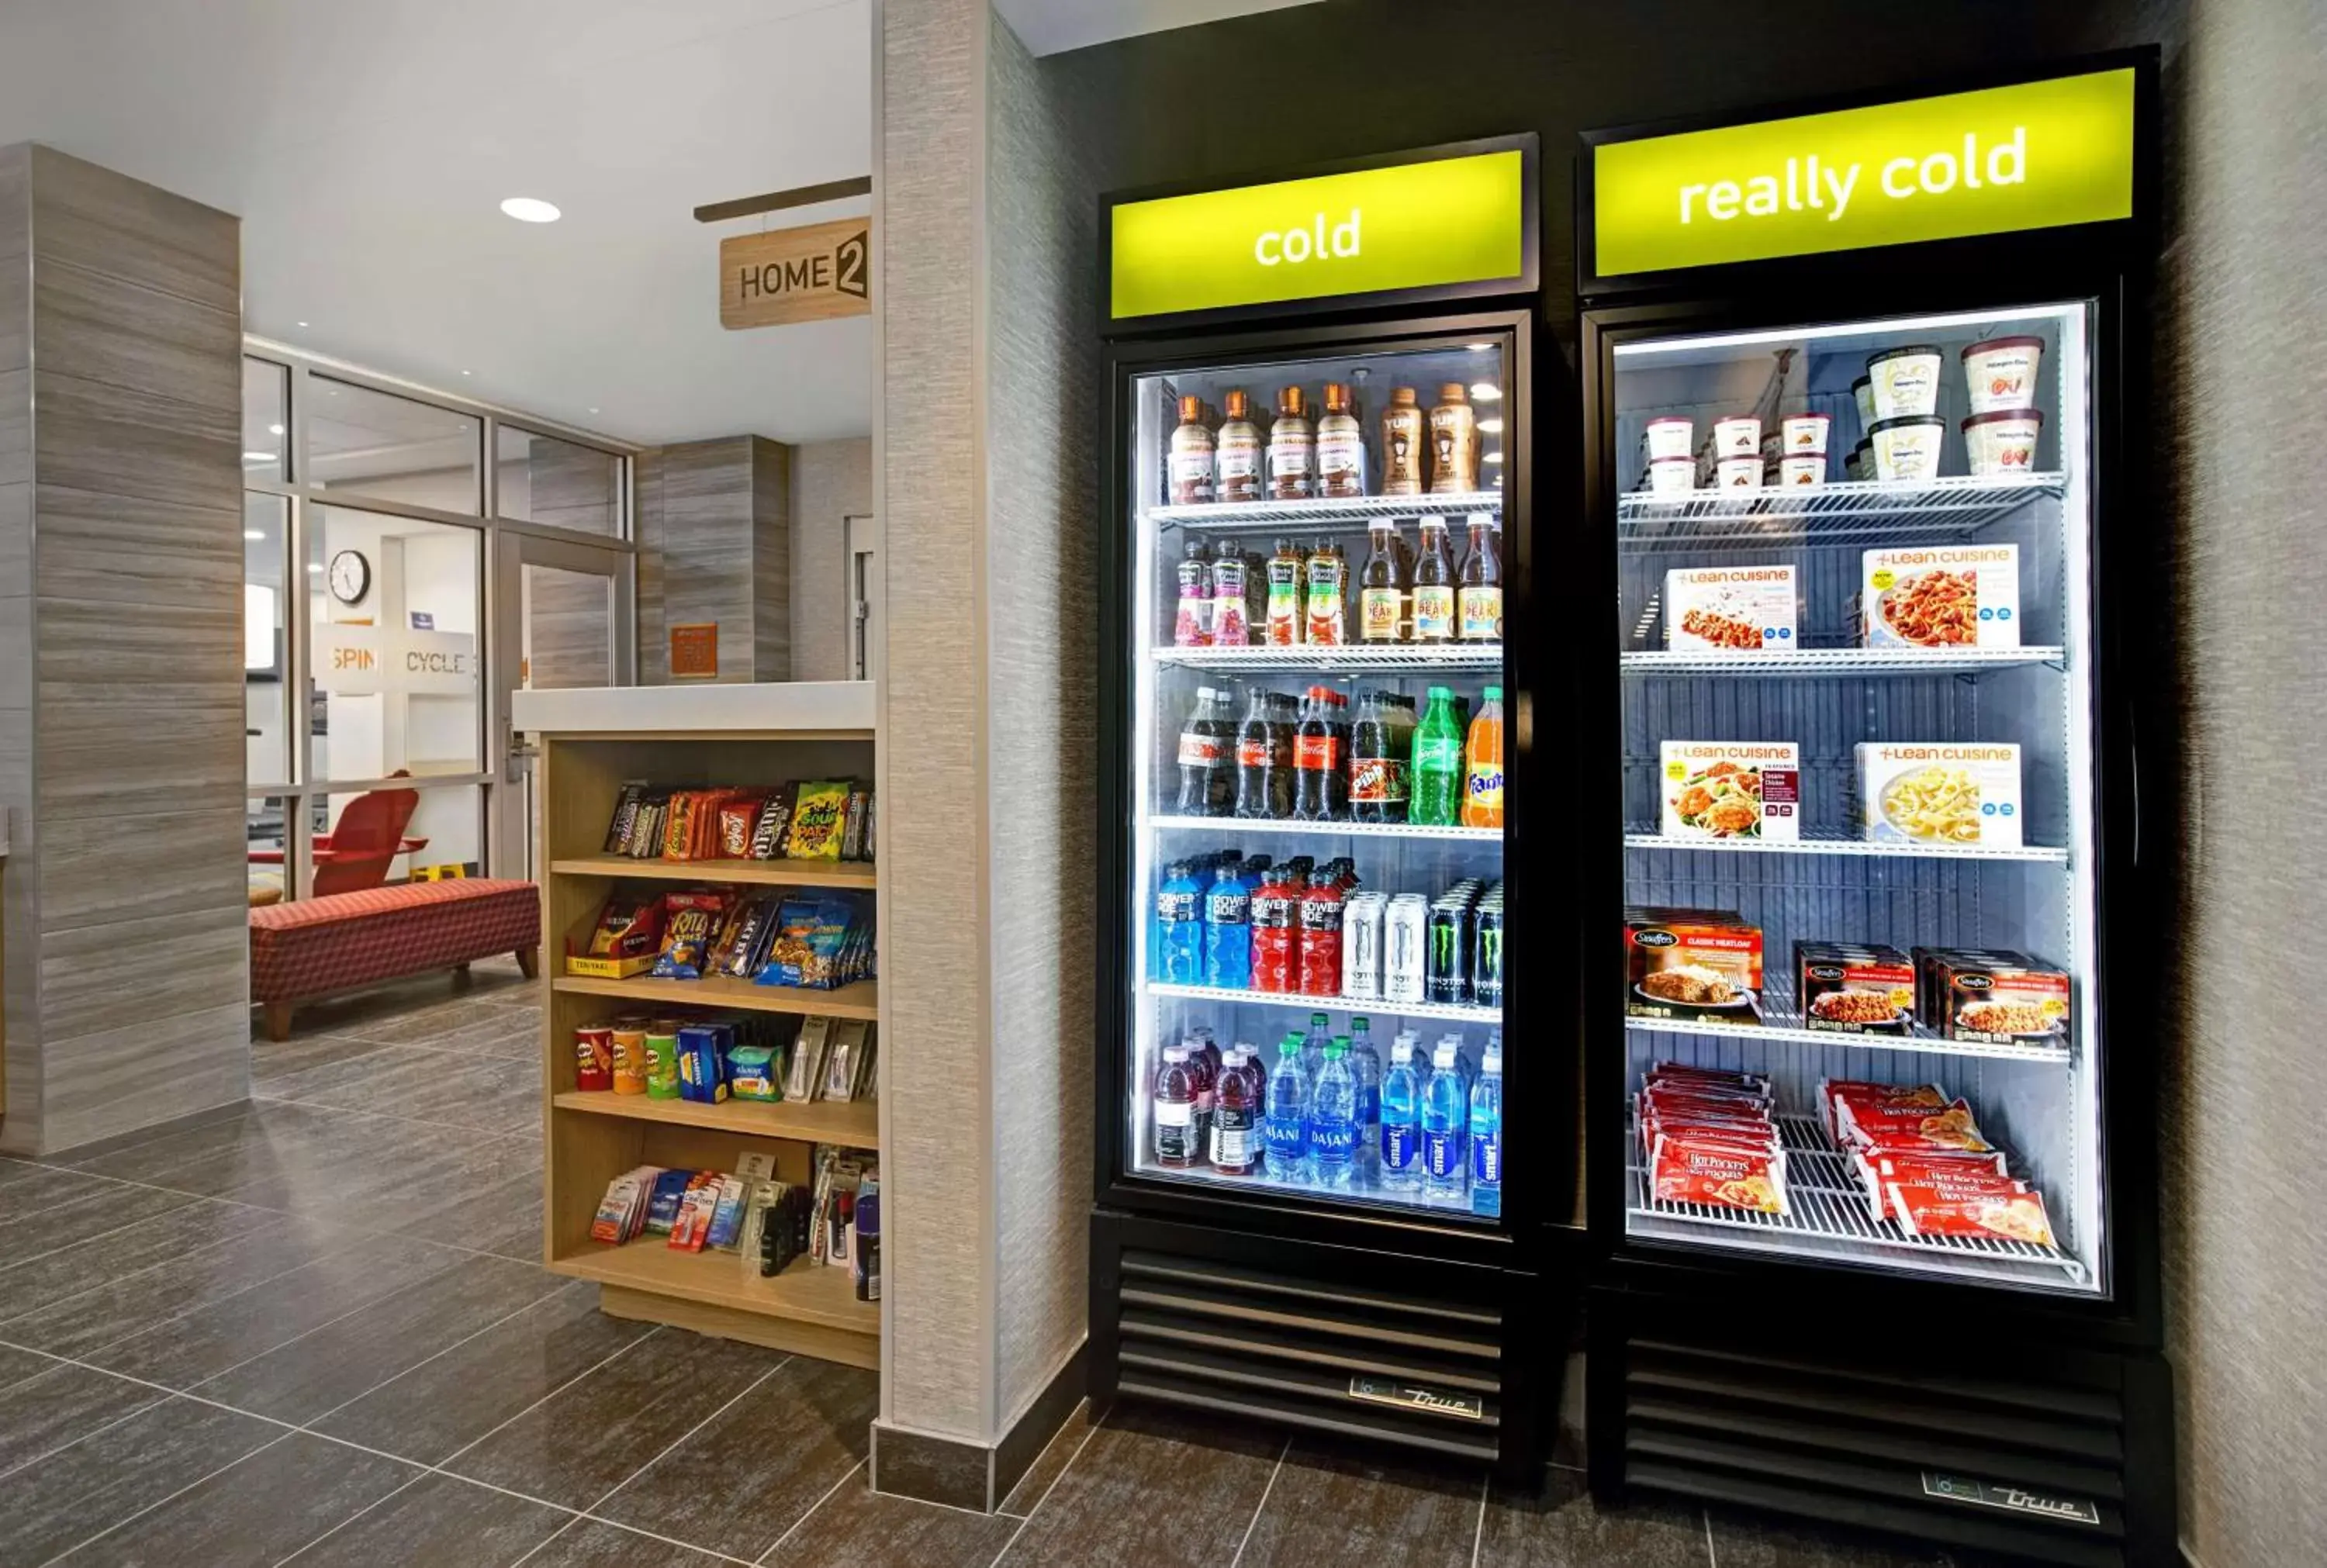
(975, 1476)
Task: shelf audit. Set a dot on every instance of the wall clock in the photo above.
(350, 577)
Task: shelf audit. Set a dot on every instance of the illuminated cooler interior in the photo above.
(2040, 1102)
(1389, 858)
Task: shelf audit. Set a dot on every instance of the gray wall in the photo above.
(121, 685)
(832, 480)
(715, 544)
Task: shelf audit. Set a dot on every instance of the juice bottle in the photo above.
(1479, 607)
(1175, 1110)
(1236, 455)
(1191, 626)
(1287, 570)
(1236, 1113)
(1482, 769)
(1232, 620)
(1328, 581)
(1433, 585)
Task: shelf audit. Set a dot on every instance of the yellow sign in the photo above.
(811, 273)
(2042, 155)
(1427, 225)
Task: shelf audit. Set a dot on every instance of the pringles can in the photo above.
(1405, 930)
(593, 1056)
(630, 1042)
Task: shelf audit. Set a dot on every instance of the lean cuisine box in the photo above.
(1951, 596)
(1692, 964)
(1966, 795)
(1730, 789)
(1730, 609)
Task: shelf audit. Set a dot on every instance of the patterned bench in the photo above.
(345, 941)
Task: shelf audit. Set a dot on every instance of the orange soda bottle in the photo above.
(1483, 764)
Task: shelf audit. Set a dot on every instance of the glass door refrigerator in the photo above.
(1870, 926)
(1310, 1053)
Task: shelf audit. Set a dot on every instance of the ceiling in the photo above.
(1054, 26)
(368, 147)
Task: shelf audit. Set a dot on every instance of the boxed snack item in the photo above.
(1732, 789)
(1940, 794)
(1703, 964)
(1941, 596)
(625, 939)
(1850, 989)
(1730, 608)
(1993, 999)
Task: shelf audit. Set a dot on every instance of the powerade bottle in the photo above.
(1334, 1119)
(1445, 1121)
(1228, 929)
(1487, 1136)
(1180, 927)
(1284, 1122)
(1366, 1064)
(1401, 1120)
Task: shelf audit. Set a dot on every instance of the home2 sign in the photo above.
(2041, 154)
(812, 274)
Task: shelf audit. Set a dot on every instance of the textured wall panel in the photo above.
(771, 560)
(20, 947)
(714, 533)
(832, 480)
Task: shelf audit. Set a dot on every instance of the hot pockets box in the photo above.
(1730, 789)
(1730, 609)
(1951, 596)
(1944, 794)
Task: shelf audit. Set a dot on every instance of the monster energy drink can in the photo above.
(1487, 955)
(1446, 956)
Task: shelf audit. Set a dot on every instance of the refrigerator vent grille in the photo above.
(1315, 1354)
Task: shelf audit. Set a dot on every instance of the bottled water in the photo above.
(1284, 1121)
(1487, 1133)
(1401, 1120)
(1313, 1049)
(1445, 1121)
(1334, 1119)
(1365, 1063)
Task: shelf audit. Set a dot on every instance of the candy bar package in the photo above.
(647, 826)
(737, 813)
(755, 927)
(815, 829)
(855, 838)
(769, 827)
(691, 922)
(626, 818)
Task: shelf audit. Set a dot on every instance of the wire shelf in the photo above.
(1493, 836)
(1781, 1020)
(1371, 1006)
(1826, 1204)
(1355, 658)
(1855, 511)
(1258, 517)
(1827, 841)
(1842, 661)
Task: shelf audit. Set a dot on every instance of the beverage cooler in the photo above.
(1318, 1144)
(1868, 906)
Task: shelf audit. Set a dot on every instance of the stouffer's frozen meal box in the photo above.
(1854, 988)
(1732, 789)
(1943, 596)
(1695, 964)
(1995, 998)
(1730, 609)
(1946, 793)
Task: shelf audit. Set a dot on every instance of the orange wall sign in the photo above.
(695, 650)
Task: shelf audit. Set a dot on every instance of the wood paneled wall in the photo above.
(121, 683)
(715, 544)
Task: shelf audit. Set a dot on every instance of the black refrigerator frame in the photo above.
(1147, 1231)
(1746, 1333)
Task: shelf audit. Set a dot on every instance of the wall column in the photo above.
(714, 544)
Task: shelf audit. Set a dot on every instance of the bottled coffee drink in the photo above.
(1453, 443)
(1404, 434)
(1236, 454)
(1433, 585)
(1292, 450)
(1191, 456)
(1382, 591)
(1479, 607)
(1341, 447)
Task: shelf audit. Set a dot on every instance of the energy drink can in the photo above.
(1361, 946)
(1487, 955)
(1405, 931)
(1446, 959)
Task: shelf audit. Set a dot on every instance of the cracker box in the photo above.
(1730, 609)
(1939, 597)
(1949, 794)
(1730, 789)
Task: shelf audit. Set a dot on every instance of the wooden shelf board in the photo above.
(803, 873)
(852, 1123)
(806, 1293)
(861, 1000)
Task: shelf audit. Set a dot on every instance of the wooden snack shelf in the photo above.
(591, 743)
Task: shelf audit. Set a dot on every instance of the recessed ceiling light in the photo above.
(531, 209)
(1494, 457)
(465, 372)
(258, 457)
(314, 565)
(1480, 348)
(594, 411)
(1486, 391)
(254, 533)
(274, 430)
(303, 323)
(1490, 427)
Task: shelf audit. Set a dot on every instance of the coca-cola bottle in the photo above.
(1316, 758)
(1207, 779)
(1257, 769)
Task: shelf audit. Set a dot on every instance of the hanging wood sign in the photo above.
(814, 274)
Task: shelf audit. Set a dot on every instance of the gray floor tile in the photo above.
(1559, 1527)
(502, 1215)
(592, 1436)
(259, 1511)
(1153, 1490)
(440, 1407)
(1335, 1505)
(38, 1188)
(15, 1365)
(270, 1140)
(200, 1345)
(12, 1170)
(63, 1405)
(370, 1185)
(372, 1080)
(133, 1249)
(93, 1207)
(806, 1426)
(587, 1544)
(271, 1063)
(134, 1304)
(345, 1360)
(458, 1020)
(52, 1506)
(858, 1527)
(437, 1519)
(1048, 1465)
(1747, 1540)
(80, 1154)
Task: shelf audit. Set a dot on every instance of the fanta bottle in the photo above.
(1482, 765)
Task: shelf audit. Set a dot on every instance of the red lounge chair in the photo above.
(362, 845)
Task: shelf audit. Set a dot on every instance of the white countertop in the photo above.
(698, 708)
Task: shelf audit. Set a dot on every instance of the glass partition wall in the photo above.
(374, 520)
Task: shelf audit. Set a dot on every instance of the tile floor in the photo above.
(313, 1328)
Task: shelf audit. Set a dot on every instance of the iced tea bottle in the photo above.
(1236, 457)
(1381, 589)
(1433, 585)
(1479, 602)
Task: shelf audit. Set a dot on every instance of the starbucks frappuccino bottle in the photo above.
(1191, 456)
(1341, 447)
(1292, 450)
(1237, 459)
(1453, 443)
(1404, 434)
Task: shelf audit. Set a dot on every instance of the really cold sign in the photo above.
(2041, 154)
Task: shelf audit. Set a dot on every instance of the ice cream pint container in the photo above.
(2001, 373)
(1672, 476)
(1797, 471)
(1740, 472)
(1906, 383)
(1908, 448)
(1862, 389)
(1671, 437)
(2003, 441)
(1739, 435)
(1805, 436)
